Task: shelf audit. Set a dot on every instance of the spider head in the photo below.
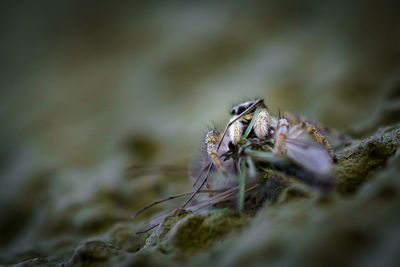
(240, 108)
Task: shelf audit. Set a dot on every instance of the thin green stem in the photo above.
(253, 120)
(261, 154)
(242, 183)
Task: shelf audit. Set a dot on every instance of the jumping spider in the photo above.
(251, 121)
(253, 144)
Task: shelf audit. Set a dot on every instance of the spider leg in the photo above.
(314, 133)
(235, 132)
(296, 118)
(262, 124)
(211, 141)
(279, 143)
(280, 135)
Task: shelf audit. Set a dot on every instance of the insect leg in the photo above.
(314, 133)
(171, 198)
(200, 174)
(199, 188)
(148, 229)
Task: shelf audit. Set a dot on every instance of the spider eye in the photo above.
(241, 109)
(232, 111)
(231, 146)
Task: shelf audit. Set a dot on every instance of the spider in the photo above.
(253, 144)
(263, 128)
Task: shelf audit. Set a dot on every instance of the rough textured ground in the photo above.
(357, 225)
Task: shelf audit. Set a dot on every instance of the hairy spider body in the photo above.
(264, 122)
(265, 126)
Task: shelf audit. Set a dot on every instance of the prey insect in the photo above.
(312, 156)
(253, 145)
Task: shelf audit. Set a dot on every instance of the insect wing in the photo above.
(230, 193)
(311, 156)
(295, 131)
(159, 217)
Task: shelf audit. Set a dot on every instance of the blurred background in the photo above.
(90, 88)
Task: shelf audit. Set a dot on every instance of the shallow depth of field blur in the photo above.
(91, 88)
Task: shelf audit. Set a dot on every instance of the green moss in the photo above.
(94, 252)
(183, 232)
(202, 230)
(359, 160)
(299, 225)
(159, 235)
(123, 236)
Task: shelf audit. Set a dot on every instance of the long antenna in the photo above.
(198, 189)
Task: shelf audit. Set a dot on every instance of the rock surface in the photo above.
(357, 225)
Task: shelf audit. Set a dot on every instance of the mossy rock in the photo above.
(358, 161)
(184, 232)
(285, 222)
(94, 252)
